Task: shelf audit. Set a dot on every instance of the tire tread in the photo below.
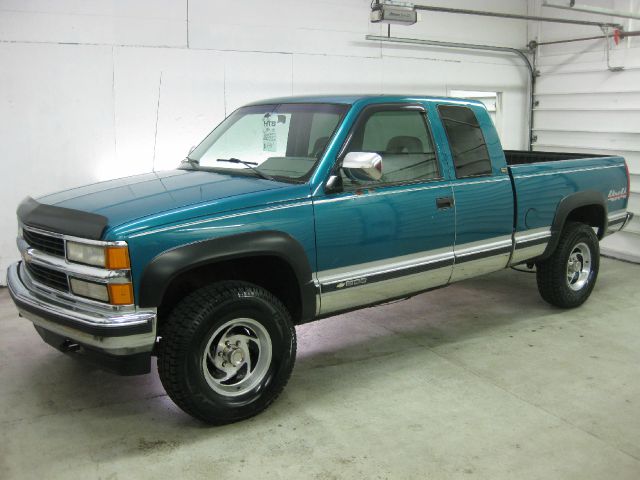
(181, 326)
(551, 273)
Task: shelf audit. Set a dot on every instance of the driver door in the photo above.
(383, 239)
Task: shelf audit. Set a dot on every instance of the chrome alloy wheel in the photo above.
(579, 267)
(237, 357)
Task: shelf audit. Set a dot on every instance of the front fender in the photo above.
(165, 267)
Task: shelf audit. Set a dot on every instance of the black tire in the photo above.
(188, 374)
(553, 274)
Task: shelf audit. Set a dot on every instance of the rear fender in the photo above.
(570, 204)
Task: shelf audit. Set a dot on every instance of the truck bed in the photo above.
(542, 180)
(523, 157)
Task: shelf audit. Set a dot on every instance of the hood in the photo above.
(135, 197)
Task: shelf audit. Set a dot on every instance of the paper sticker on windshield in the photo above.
(271, 125)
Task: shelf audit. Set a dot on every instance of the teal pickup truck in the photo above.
(291, 210)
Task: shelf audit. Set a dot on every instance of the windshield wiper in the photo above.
(191, 162)
(249, 165)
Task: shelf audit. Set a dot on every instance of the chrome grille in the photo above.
(48, 276)
(44, 243)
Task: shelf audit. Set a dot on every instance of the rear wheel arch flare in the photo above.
(588, 207)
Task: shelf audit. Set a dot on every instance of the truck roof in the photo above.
(366, 98)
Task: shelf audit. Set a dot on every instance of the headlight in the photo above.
(112, 257)
(114, 293)
(117, 291)
(96, 291)
(87, 254)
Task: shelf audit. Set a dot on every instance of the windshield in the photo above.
(282, 141)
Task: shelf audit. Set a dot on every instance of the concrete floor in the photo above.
(478, 380)
(623, 245)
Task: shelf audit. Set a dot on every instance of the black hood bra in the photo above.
(61, 220)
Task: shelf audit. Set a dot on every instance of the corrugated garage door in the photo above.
(582, 106)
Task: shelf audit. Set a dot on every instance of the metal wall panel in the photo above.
(580, 105)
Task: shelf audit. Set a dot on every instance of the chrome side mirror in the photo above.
(363, 165)
(334, 184)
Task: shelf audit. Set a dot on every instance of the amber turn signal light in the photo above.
(120, 294)
(117, 258)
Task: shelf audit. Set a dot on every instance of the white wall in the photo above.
(584, 107)
(96, 89)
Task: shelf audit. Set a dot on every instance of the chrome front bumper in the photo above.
(109, 330)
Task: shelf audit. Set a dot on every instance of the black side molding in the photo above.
(565, 207)
(159, 273)
(390, 275)
(62, 220)
(479, 255)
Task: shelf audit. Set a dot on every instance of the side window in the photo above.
(470, 154)
(403, 140)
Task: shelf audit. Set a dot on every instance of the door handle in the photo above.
(444, 202)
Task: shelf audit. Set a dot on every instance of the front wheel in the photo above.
(568, 276)
(226, 352)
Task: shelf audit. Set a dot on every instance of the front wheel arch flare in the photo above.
(167, 266)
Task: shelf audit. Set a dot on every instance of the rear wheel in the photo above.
(568, 276)
(227, 351)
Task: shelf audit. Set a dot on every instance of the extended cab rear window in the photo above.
(468, 147)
